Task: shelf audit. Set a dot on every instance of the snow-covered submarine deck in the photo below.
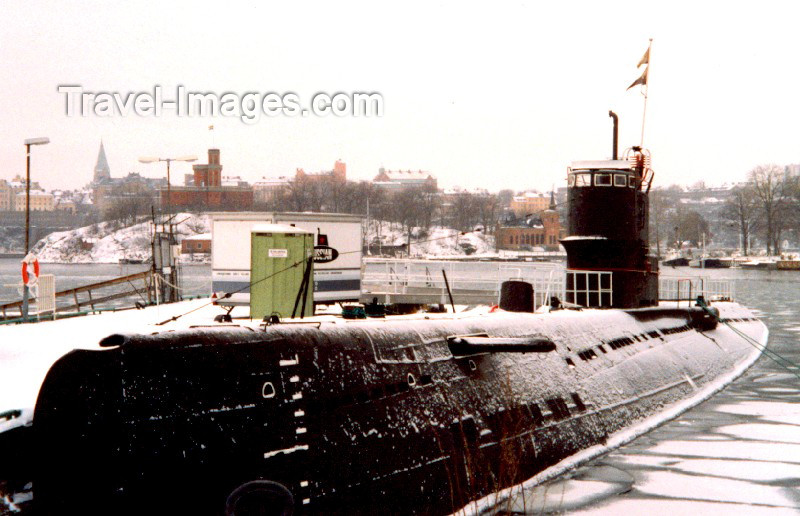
(352, 416)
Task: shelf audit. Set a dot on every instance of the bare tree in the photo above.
(490, 207)
(690, 225)
(299, 195)
(741, 208)
(466, 211)
(657, 217)
(773, 191)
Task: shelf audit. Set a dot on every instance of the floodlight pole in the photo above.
(169, 188)
(27, 199)
(169, 185)
(28, 143)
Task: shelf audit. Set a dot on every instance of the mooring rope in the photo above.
(776, 357)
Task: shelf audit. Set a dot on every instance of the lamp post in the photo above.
(168, 160)
(28, 143)
(165, 266)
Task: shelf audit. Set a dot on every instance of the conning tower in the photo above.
(608, 262)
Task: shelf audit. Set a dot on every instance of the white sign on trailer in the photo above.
(337, 263)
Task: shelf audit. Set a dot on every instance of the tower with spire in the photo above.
(102, 172)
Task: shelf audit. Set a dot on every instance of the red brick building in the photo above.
(197, 244)
(541, 230)
(339, 173)
(208, 191)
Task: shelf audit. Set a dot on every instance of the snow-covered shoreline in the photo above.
(109, 242)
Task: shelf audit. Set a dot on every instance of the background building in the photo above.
(268, 191)
(542, 230)
(39, 201)
(131, 195)
(403, 179)
(208, 190)
(338, 173)
(529, 203)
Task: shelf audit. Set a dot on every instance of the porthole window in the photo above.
(620, 180)
(602, 180)
(411, 380)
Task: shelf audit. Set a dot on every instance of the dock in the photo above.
(95, 294)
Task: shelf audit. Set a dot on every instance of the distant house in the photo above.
(338, 173)
(268, 190)
(542, 230)
(529, 203)
(403, 179)
(196, 244)
(39, 201)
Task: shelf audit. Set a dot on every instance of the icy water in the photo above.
(738, 453)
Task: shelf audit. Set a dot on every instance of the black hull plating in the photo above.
(375, 417)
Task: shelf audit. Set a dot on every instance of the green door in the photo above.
(278, 263)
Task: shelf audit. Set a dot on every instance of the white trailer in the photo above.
(337, 267)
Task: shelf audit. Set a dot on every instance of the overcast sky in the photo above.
(482, 96)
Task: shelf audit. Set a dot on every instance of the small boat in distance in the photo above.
(710, 263)
(768, 264)
(676, 259)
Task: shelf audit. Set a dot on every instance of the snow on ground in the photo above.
(109, 242)
(436, 241)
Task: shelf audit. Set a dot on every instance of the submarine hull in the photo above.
(357, 418)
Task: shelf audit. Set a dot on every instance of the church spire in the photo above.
(101, 169)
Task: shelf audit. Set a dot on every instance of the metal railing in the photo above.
(687, 289)
(108, 290)
(468, 280)
(476, 282)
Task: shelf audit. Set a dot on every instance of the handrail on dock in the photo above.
(146, 292)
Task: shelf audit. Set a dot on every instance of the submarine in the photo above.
(413, 414)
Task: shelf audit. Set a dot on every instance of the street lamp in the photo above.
(28, 143)
(147, 159)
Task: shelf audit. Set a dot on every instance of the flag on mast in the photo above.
(641, 80)
(645, 60)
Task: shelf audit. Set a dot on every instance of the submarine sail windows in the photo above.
(620, 180)
(602, 180)
(583, 179)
